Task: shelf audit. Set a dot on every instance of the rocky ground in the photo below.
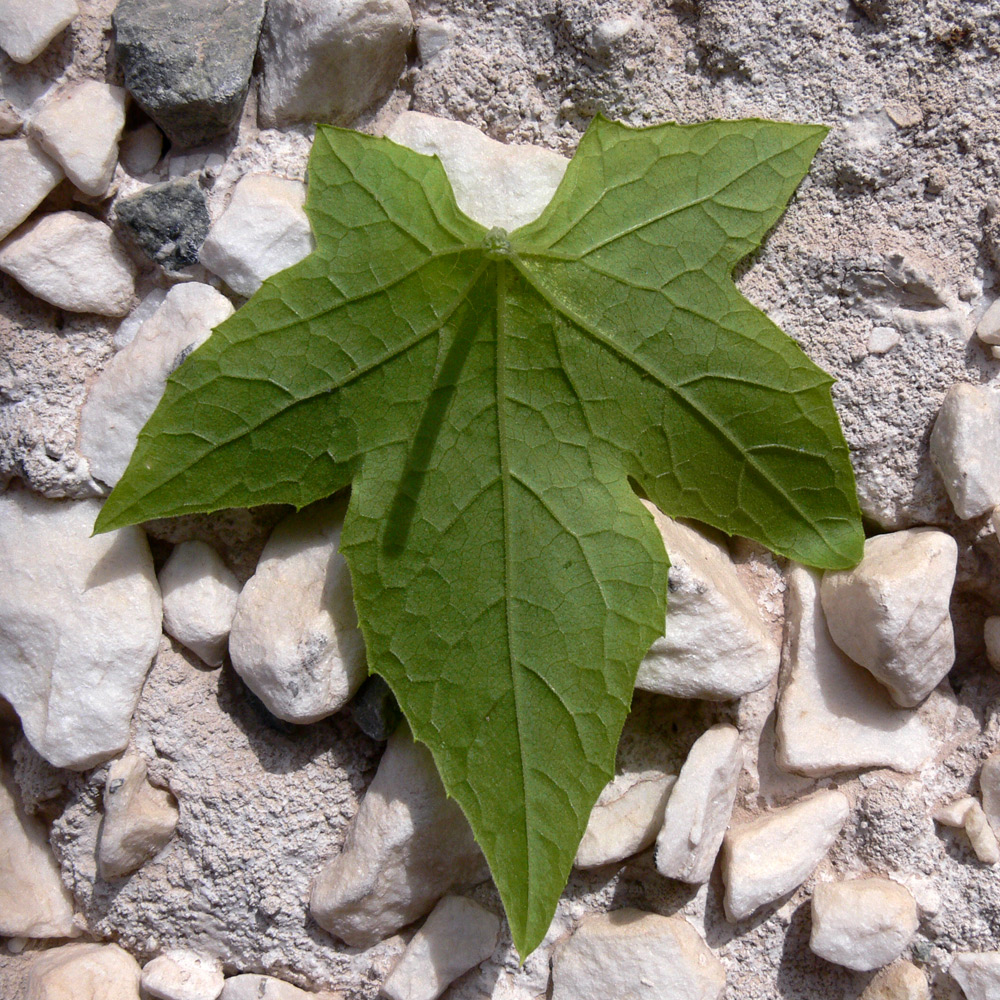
(201, 795)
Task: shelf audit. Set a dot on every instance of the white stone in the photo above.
(774, 854)
(965, 448)
(988, 327)
(329, 60)
(27, 175)
(295, 639)
(625, 819)
(79, 126)
(863, 923)
(263, 230)
(715, 643)
(141, 149)
(891, 613)
(900, 981)
(254, 987)
(73, 261)
(80, 622)
(139, 819)
(199, 600)
(991, 636)
(34, 903)
(132, 323)
(27, 26)
(882, 340)
(434, 37)
(954, 813)
(832, 714)
(967, 813)
(457, 936)
(978, 973)
(496, 184)
(628, 954)
(407, 846)
(183, 975)
(125, 394)
(700, 806)
(989, 787)
(84, 972)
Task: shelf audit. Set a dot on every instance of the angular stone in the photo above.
(631, 954)
(328, 61)
(965, 448)
(408, 845)
(73, 261)
(375, 710)
(79, 126)
(84, 972)
(625, 819)
(295, 639)
(978, 973)
(862, 923)
(182, 975)
(832, 714)
(139, 819)
(968, 814)
(188, 65)
(34, 903)
(27, 26)
(715, 644)
(253, 987)
(495, 183)
(988, 327)
(125, 394)
(700, 806)
(900, 981)
(457, 936)
(79, 623)
(263, 230)
(199, 600)
(774, 854)
(27, 175)
(891, 613)
(168, 221)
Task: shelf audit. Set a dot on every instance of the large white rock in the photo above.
(700, 806)
(891, 612)
(625, 819)
(978, 973)
(295, 639)
(254, 987)
(263, 230)
(79, 126)
(34, 903)
(495, 183)
(199, 600)
(73, 261)
(774, 854)
(628, 955)
(715, 644)
(965, 448)
(458, 935)
(328, 60)
(27, 26)
(127, 391)
(407, 846)
(832, 714)
(84, 972)
(863, 923)
(27, 175)
(139, 819)
(900, 981)
(79, 624)
(183, 975)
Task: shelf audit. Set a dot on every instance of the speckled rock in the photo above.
(167, 221)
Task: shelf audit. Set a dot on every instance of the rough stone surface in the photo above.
(84, 972)
(27, 175)
(991, 637)
(168, 221)
(27, 26)
(72, 261)
(891, 613)
(199, 600)
(122, 399)
(978, 974)
(188, 65)
(458, 935)
(79, 624)
(408, 845)
(627, 953)
(295, 639)
(253, 987)
(700, 804)
(862, 923)
(139, 819)
(182, 975)
(263, 230)
(764, 859)
(79, 127)
(899, 981)
(330, 61)
(625, 819)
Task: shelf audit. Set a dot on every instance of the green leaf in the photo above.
(489, 397)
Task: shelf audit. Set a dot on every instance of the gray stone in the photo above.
(375, 709)
(188, 65)
(168, 221)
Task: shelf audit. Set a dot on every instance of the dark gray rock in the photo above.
(188, 64)
(168, 221)
(375, 709)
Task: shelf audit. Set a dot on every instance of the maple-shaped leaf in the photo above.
(489, 397)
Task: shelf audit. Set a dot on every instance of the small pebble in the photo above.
(899, 981)
(141, 149)
(433, 38)
(183, 975)
(968, 814)
(27, 26)
(882, 339)
(10, 118)
(168, 221)
(27, 175)
(375, 710)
